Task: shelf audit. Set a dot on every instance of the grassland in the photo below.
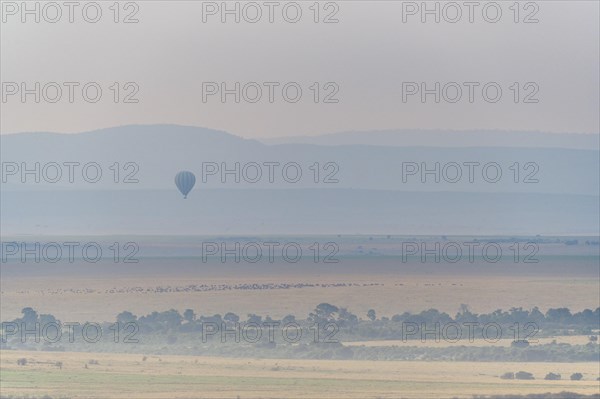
(98, 292)
(100, 299)
(370, 275)
(113, 376)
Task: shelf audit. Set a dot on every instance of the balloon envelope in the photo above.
(185, 181)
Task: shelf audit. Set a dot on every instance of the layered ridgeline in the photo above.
(121, 181)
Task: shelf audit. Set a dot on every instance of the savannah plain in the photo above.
(170, 377)
(370, 274)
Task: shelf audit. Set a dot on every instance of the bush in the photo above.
(576, 376)
(522, 343)
(508, 376)
(523, 375)
(552, 377)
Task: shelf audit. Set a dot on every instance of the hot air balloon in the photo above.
(185, 181)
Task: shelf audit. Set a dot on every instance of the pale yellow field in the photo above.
(171, 377)
(68, 300)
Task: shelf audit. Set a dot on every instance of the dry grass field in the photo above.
(69, 299)
(565, 276)
(177, 377)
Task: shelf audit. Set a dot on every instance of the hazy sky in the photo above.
(367, 55)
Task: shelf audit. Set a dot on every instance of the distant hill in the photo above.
(161, 151)
(448, 138)
(370, 197)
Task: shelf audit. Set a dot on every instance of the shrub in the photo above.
(552, 377)
(576, 376)
(523, 375)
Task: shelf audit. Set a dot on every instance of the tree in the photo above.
(253, 318)
(169, 319)
(371, 315)
(519, 315)
(536, 316)
(347, 318)
(30, 316)
(126, 317)
(559, 316)
(464, 314)
(521, 343)
(47, 319)
(189, 315)
(231, 317)
(325, 310)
